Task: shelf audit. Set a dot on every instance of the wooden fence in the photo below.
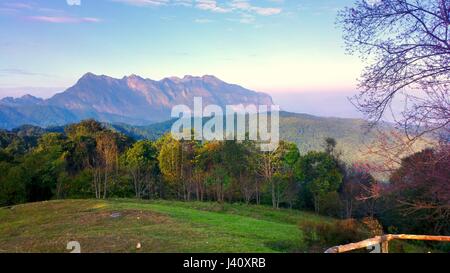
(383, 242)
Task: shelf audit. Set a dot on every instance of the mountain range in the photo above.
(141, 108)
(132, 100)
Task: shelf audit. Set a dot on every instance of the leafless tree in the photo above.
(406, 45)
(358, 190)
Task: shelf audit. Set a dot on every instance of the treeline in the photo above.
(89, 161)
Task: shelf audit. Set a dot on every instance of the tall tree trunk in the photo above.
(257, 193)
(105, 183)
(274, 203)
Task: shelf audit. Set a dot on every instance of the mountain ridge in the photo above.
(131, 99)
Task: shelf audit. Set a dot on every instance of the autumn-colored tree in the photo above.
(421, 189)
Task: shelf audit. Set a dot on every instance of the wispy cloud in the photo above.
(34, 12)
(73, 2)
(63, 19)
(144, 3)
(20, 72)
(184, 3)
(18, 5)
(203, 21)
(212, 5)
(245, 5)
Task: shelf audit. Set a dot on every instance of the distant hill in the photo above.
(132, 100)
(307, 131)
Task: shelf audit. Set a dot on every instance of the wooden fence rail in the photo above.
(383, 241)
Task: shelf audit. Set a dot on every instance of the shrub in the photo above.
(321, 236)
(373, 226)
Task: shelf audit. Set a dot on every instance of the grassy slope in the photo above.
(160, 226)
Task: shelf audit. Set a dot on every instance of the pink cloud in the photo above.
(64, 19)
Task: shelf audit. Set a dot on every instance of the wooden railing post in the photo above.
(385, 247)
(385, 243)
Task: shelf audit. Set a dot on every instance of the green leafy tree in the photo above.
(276, 169)
(176, 163)
(319, 174)
(286, 186)
(13, 180)
(43, 166)
(209, 159)
(141, 163)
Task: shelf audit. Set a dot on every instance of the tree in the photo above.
(421, 190)
(47, 164)
(284, 184)
(219, 180)
(82, 145)
(85, 128)
(276, 168)
(13, 181)
(106, 161)
(140, 161)
(267, 166)
(248, 180)
(319, 174)
(356, 183)
(97, 149)
(211, 161)
(407, 45)
(41, 168)
(236, 157)
(176, 160)
(330, 145)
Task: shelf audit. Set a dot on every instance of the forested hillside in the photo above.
(307, 131)
(88, 160)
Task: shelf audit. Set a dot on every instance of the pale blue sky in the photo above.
(275, 46)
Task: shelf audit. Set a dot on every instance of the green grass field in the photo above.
(159, 226)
